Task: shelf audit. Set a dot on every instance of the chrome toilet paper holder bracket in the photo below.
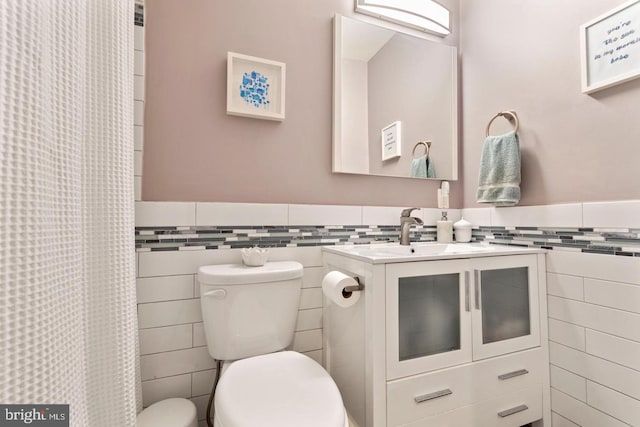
(347, 291)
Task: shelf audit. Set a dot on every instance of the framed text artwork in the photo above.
(610, 48)
(391, 141)
(255, 87)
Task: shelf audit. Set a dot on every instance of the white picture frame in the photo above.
(391, 141)
(610, 48)
(255, 87)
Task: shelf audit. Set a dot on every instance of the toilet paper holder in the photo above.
(347, 291)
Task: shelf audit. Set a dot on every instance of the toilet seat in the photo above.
(284, 389)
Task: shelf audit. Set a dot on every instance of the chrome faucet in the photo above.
(405, 224)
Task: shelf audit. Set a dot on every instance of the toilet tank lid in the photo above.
(240, 274)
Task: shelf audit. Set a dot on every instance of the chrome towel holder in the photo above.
(427, 146)
(509, 115)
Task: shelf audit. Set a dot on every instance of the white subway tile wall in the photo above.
(583, 414)
(600, 228)
(150, 214)
(561, 285)
(610, 214)
(624, 408)
(560, 421)
(202, 382)
(430, 216)
(569, 383)
(611, 294)
(594, 329)
(325, 215)
(165, 388)
(138, 97)
(165, 288)
(384, 215)
(616, 214)
(569, 215)
(477, 216)
(567, 333)
(201, 408)
(171, 363)
(166, 313)
(242, 214)
(594, 304)
(168, 338)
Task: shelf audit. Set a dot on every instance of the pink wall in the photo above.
(575, 147)
(195, 152)
(524, 55)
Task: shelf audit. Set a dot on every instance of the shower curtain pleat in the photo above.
(67, 272)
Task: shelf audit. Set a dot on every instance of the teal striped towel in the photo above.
(499, 180)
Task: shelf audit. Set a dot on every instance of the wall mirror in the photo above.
(392, 91)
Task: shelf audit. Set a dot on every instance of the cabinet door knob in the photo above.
(513, 374)
(434, 395)
(512, 411)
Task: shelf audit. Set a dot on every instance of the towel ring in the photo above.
(427, 146)
(509, 115)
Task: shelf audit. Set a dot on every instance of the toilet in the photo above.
(169, 413)
(249, 316)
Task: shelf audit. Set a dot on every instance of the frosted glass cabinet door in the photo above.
(505, 313)
(427, 316)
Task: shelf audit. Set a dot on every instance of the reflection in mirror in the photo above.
(393, 93)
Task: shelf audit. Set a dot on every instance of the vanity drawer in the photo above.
(426, 395)
(511, 410)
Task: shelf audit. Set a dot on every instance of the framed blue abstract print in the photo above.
(255, 87)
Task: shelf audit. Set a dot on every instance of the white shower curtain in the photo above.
(67, 287)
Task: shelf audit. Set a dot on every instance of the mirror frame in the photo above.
(337, 101)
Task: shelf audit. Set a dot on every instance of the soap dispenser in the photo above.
(444, 229)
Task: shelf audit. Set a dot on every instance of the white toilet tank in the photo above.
(248, 311)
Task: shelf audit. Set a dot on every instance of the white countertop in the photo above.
(386, 253)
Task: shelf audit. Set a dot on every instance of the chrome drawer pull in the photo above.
(477, 285)
(467, 304)
(431, 396)
(512, 411)
(512, 374)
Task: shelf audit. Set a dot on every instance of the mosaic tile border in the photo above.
(139, 15)
(231, 237)
(608, 241)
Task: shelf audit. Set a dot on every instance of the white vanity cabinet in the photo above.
(445, 313)
(456, 341)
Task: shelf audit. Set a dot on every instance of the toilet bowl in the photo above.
(249, 316)
(169, 413)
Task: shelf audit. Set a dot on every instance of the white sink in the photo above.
(384, 253)
(416, 249)
(419, 249)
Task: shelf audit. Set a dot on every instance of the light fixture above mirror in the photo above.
(424, 15)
